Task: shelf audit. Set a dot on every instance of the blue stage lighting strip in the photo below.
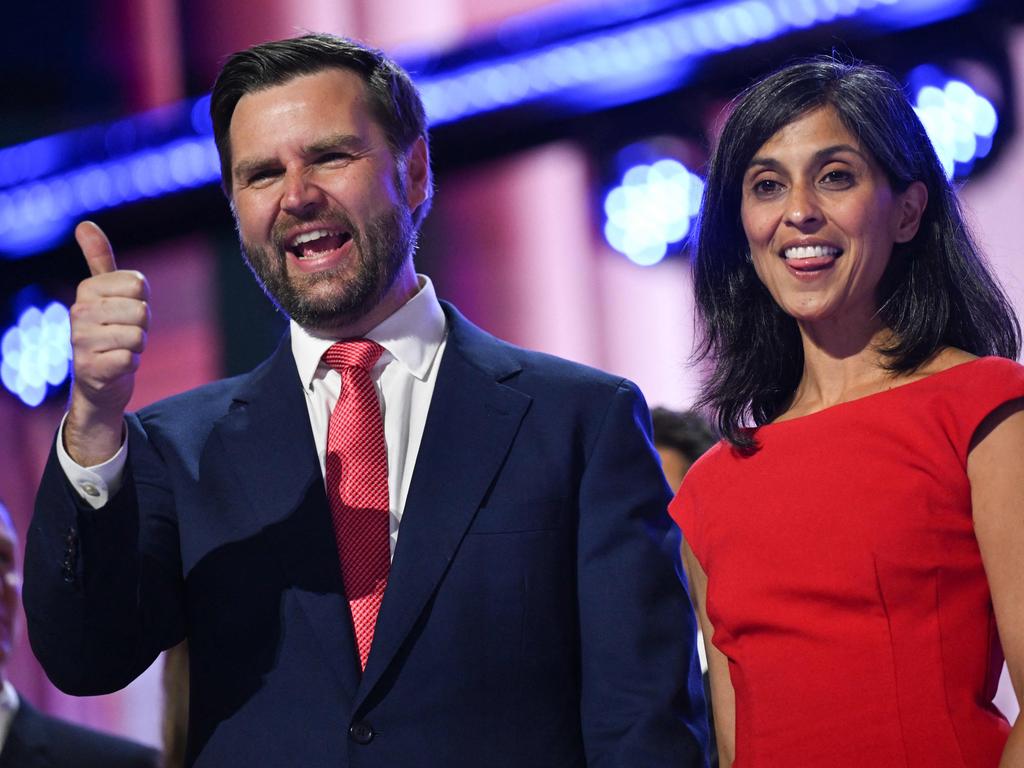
(48, 183)
(642, 48)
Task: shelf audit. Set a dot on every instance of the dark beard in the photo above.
(380, 250)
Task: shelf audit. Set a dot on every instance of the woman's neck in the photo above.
(841, 366)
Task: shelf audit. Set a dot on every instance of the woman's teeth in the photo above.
(811, 252)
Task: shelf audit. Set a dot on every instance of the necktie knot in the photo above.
(358, 353)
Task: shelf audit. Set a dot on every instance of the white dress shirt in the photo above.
(413, 338)
(8, 709)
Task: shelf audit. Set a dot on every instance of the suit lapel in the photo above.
(267, 438)
(472, 421)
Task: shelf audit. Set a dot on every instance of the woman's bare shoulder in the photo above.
(947, 357)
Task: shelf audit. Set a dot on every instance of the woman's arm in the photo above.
(723, 700)
(995, 467)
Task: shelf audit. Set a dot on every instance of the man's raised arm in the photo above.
(109, 321)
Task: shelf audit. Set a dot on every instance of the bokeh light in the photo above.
(35, 353)
(960, 122)
(650, 209)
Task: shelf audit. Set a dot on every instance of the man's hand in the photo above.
(109, 321)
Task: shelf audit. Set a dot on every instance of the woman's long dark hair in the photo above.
(937, 292)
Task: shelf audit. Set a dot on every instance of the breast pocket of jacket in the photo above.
(530, 516)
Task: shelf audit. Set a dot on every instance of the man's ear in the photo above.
(417, 174)
(910, 209)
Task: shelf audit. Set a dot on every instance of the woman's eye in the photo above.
(838, 178)
(765, 187)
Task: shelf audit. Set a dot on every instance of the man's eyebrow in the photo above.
(346, 141)
(246, 168)
(820, 156)
(340, 141)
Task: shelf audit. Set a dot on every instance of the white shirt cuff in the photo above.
(94, 484)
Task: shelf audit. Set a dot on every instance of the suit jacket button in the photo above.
(361, 732)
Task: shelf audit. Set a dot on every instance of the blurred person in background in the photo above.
(174, 716)
(855, 543)
(680, 438)
(28, 738)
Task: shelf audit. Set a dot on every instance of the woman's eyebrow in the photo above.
(835, 149)
(818, 157)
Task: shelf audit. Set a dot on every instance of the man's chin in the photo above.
(327, 317)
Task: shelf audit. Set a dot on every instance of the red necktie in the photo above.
(357, 486)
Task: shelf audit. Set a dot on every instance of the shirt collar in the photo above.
(9, 704)
(412, 335)
(8, 697)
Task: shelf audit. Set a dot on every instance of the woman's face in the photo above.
(821, 219)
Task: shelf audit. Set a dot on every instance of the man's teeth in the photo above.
(810, 252)
(307, 237)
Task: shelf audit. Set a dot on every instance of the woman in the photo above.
(855, 557)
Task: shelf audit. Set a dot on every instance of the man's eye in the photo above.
(335, 157)
(262, 175)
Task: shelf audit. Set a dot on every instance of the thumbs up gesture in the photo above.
(109, 322)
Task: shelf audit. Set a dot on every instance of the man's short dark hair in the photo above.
(683, 431)
(394, 101)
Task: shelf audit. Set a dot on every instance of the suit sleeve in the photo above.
(642, 700)
(102, 590)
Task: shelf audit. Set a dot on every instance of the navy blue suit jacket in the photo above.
(36, 740)
(530, 618)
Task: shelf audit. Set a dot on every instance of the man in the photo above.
(680, 437)
(503, 605)
(28, 738)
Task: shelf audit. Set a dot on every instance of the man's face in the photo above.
(10, 589)
(323, 210)
(673, 464)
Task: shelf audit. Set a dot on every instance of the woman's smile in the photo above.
(821, 219)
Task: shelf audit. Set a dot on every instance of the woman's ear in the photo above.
(910, 209)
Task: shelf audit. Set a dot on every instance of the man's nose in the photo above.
(300, 193)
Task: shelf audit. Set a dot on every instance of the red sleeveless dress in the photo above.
(845, 584)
